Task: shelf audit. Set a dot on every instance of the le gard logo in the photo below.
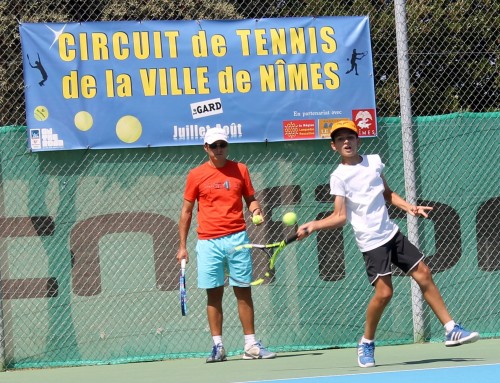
(206, 108)
(363, 118)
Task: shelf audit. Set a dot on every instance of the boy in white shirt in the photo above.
(361, 194)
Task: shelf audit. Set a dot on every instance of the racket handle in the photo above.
(183, 263)
(291, 239)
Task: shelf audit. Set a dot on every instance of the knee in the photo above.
(384, 296)
(423, 275)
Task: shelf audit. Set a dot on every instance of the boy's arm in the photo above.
(395, 199)
(337, 219)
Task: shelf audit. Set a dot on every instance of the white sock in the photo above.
(250, 339)
(217, 339)
(364, 340)
(449, 326)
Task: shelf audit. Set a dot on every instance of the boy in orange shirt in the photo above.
(220, 186)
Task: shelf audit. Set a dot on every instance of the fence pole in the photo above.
(2, 332)
(408, 155)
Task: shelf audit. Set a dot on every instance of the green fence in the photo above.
(89, 238)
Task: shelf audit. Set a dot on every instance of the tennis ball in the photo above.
(257, 219)
(290, 219)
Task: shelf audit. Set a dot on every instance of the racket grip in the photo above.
(183, 263)
(291, 239)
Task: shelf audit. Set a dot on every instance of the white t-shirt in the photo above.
(363, 187)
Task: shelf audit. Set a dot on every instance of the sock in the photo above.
(364, 340)
(250, 339)
(449, 326)
(217, 339)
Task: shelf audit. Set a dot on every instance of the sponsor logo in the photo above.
(35, 140)
(206, 108)
(45, 138)
(365, 121)
(299, 129)
(325, 126)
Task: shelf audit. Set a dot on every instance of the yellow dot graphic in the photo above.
(83, 120)
(41, 113)
(128, 129)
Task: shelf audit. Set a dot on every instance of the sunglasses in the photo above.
(221, 145)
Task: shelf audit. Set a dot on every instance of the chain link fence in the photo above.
(87, 264)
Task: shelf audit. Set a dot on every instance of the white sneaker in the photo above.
(257, 351)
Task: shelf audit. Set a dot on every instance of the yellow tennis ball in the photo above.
(83, 120)
(257, 219)
(41, 113)
(290, 219)
(129, 129)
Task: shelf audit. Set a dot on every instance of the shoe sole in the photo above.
(468, 339)
(365, 365)
(250, 357)
(216, 361)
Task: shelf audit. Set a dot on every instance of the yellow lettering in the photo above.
(267, 79)
(172, 42)
(278, 41)
(201, 74)
(148, 80)
(124, 85)
(260, 42)
(100, 46)
(219, 47)
(298, 77)
(65, 52)
(329, 45)
(157, 45)
(316, 76)
(119, 39)
(297, 41)
(141, 45)
(334, 80)
(245, 46)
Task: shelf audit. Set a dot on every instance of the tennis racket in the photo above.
(271, 250)
(182, 288)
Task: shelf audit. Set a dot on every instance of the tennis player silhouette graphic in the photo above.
(354, 57)
(38, 65)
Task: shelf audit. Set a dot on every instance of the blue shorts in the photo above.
(214, 256)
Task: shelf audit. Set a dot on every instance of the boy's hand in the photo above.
(419, 211)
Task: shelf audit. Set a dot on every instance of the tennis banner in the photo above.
(124, 84)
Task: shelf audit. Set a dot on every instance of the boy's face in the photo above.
(346, 143)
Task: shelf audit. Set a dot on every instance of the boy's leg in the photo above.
(214, 310)
(374, 311)
(422, 275)
(383, 294)
(245, 308)
(215, 319)
(456, 335)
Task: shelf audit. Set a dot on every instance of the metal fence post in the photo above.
(2, 332)
(408, 155)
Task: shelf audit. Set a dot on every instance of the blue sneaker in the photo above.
(218, 354)
(366, 354)
(257, 351)
(459, 336)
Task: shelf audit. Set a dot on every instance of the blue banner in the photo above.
(102, 85)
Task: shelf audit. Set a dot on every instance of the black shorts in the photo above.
(398, 251)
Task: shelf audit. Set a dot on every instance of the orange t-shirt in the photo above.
(219, 193)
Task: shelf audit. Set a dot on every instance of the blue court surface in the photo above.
(466, 374)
